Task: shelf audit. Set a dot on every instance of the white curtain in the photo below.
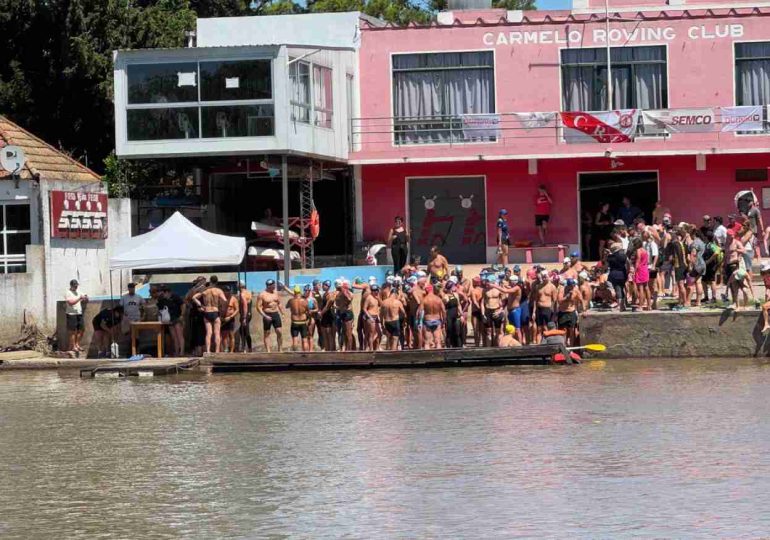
(753, 73)
(431, 92)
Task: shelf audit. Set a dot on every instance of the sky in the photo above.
(553, 4)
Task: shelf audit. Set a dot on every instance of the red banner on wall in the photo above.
(78, 215)
(604, 127)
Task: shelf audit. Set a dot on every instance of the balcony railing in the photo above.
(378, 133)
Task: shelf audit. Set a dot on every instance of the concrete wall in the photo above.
(677, 334)
(22, 292)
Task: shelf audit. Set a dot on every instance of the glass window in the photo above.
(163, 83)
(432, 92)
(299, 78)
(16, 236)
(158, 124)
(322, 96)
(752, 73)
(237, 121)
(638, 78)
(248, 79)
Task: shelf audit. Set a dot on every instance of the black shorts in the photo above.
(228, 326)
(393, 328)
(543, 316)
(476, 314)
(273, 322)
(653, 273)
(211, 316)
(299, 329)
(327, 319)
(730, 268)
(75, 323)
(567, 319)
(495, 319)
(710, 275)
(345, 316)
(539, 220)
(680, 273)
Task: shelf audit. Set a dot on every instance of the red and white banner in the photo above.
(746, 118)
(682, 120)
(604, 127)
(75, 214)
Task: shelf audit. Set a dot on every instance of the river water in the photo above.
(663, 448)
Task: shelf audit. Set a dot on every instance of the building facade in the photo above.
(469, 115)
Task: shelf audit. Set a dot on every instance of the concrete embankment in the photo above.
(676, 334)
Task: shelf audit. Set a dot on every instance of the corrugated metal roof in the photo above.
(42, 158)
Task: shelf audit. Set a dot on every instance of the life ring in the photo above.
(315, 224)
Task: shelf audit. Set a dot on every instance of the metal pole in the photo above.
(286, 243)
(609, 50)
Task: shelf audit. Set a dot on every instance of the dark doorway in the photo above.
(598, 188)
(450, 213)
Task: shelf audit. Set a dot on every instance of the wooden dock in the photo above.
(141, 368)
(437, 358)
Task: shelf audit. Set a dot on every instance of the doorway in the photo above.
(641, 187)
(449, 212)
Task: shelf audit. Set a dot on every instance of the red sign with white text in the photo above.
(78, 215)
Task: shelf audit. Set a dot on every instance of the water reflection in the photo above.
(655, 448)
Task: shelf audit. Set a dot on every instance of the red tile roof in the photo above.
(42, 158)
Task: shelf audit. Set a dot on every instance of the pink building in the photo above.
(447, 134)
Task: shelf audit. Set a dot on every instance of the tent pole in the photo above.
(286, 243)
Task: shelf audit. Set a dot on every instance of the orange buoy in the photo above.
(315, 224)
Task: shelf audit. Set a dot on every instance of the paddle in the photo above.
(597, 347)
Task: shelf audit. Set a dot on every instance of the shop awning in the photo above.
(178, 243)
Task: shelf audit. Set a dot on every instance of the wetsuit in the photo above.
(244, 329)
(399, 251)
(453, 322)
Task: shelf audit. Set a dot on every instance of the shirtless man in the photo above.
(513, 305)
(586, 291)
(312, 304)
(544, 297)
(245, 307)
(414, 299)
(477, 319)
(392, 312)
(300, 319)
(438, 266)
(569, 298)
(269, 308)
(508, 339)
(370, 308)
(365, 288)
(212, 303)
(433, 315)
(493, 313)
(343, 299)
(327, 317)
(228, 321)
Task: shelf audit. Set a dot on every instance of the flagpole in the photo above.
(609, 49)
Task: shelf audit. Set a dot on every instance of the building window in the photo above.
(15, 229)
(299, 78)
(176, 101)
(323, 101)
(639, 78)
(431, 92)
(752, 73)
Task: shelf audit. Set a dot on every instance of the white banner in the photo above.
(604, 127)
(536, 120)
(746, 118)
(682, 120)
(481, 126)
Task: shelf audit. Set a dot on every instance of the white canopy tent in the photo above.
(178, 243)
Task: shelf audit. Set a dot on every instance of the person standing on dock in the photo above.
(343, 299)
(245, 301)
(106, 328)
(269, 308)
(370, 311)
(133, 304)
(75, 301)
(211, 302)
(433, 316)
(544, 293)
(228, 321)
(173, 303)
(438, 266)
(327, 318)
(398, 244)
(503, 237)
(569, 299)
(300, 319)
(392, 312)
(493, 312)
(543, 206)
(414, 299)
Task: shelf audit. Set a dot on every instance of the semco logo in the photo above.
(692, 120)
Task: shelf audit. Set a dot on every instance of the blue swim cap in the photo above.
(307, 288)
(327, 283)
(315, 282)
(503, 212)
(574, 255)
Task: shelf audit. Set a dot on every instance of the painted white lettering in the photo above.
(600, 36)
(669, 34)
(558, 38)
(705, 34)
(515, 38)
(615, 35)
(630, 36)
(736, 30)
(530, 37)
(501, 39)
(692, 32)
(722, 30)
(654, 34)
(546, 36)
(488, 38)
(575, 36)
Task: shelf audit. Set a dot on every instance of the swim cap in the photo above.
(389, 279)
(412, 280)
(503, 212)
(458, 269)
(357, 280)
(315, 282)
(327, 283)
(570, 282)
(567, 260)
(269, 282)
(449, 286)
(420, 274)
(516, 269)
(575, 255)
(583, 275)
(544, 273)
(453, 280)
(375, 288)
(307, 288)
(509, 329)
(281, 286)
(514, 279)
(765, 267)
(297, 290)
(338, 282)
(429, 288)
(389, 273)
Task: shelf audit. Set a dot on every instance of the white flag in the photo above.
(747, 118)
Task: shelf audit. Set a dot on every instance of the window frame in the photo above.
(14, 260)
(200, 104)
(317, 107)
(305, 107)
(737, 87)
